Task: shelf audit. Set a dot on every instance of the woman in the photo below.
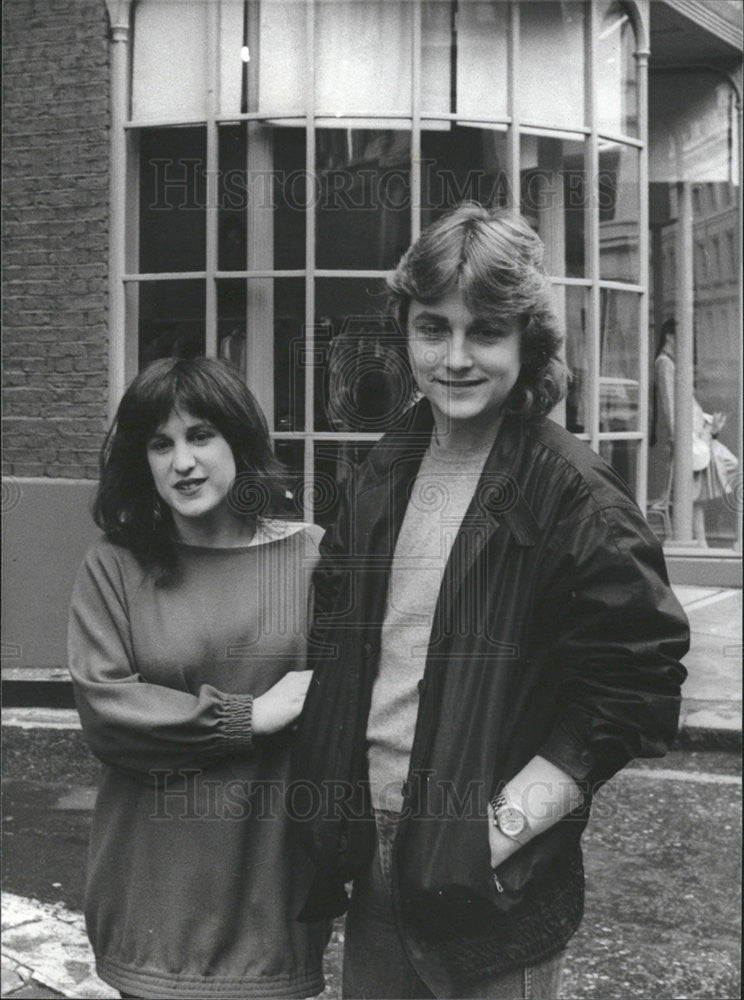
(714, 467)
(495, 637)
(187, 652)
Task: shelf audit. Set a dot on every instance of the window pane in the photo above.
(173, 199)
(363, 57)
(261, 180)
(553, 199)
(622, 456)
(551, 64)
(272, 310)
(617, 95)
(573, 300)
(619, 210)
(363, 218)
(619, 360)
(171, 320)
(361, 377)
(282, 57)
(291, 454)
(172, 87)
(462, 164)
(334, 463)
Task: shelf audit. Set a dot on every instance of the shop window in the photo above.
(223, 144)
(694, 197)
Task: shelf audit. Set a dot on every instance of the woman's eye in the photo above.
(201, 437)
(430, 330)
(159, 445)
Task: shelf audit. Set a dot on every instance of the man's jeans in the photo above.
(376, 964)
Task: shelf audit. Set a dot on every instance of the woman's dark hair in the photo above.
(127, 506)
(495, 260)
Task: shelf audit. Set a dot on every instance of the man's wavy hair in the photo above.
(127, 507)
(496, 261)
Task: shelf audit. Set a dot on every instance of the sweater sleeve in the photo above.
(127, 722)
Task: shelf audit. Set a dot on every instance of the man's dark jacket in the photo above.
(556, 633)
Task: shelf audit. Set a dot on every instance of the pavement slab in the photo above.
(52, 940)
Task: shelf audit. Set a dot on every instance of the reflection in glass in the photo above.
(171, 320)
(619, 360)
(261, 178)
(363, 198)
(464, 58)
(462, 164)
(275, 308)
(334, 463)
(291, 454)
(553, 200)
(551, 64)
(619, 212)
(617, 94)
(622, 456)
(363, 58)
(173, 198)
(362, 380)
(573, 300)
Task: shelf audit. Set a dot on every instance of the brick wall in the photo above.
(55, 174)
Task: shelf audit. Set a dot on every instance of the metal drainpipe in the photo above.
(119, 12)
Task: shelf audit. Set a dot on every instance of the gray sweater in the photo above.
(441, 494)
(191, 888)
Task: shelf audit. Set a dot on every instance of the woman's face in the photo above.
(192, 465)
(465, 366)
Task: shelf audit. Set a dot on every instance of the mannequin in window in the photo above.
(714, 466)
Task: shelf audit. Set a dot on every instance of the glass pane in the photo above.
(462, 164)
(173, 198)
(619, 210)
(464, 58)
(362, 381)
(619, 360)
(282, 57)
(363, 57)
(364, 198)
(261, 179)
(622, 456)
(716, 489)
(291, 454)
(573, 300)
(551, 64)
(171, 320)
(553, 199)
(617, 94)
(334, 462)
(275, 360)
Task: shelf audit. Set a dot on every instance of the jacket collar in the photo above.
(393, 465)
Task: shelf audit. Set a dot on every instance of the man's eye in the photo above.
(488, 333)
(430, 330)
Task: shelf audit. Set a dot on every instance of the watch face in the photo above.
(511, 821)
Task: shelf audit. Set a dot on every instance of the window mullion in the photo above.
(642, 56)
(592, 341)
(416, 57)
(512, 89)
(309, 332)
(213, 56)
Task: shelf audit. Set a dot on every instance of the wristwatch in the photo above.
(510, 819)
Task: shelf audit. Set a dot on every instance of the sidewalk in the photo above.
(45, 952)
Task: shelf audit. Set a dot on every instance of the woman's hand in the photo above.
(281, 704)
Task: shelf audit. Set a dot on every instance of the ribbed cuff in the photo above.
(237, 724)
